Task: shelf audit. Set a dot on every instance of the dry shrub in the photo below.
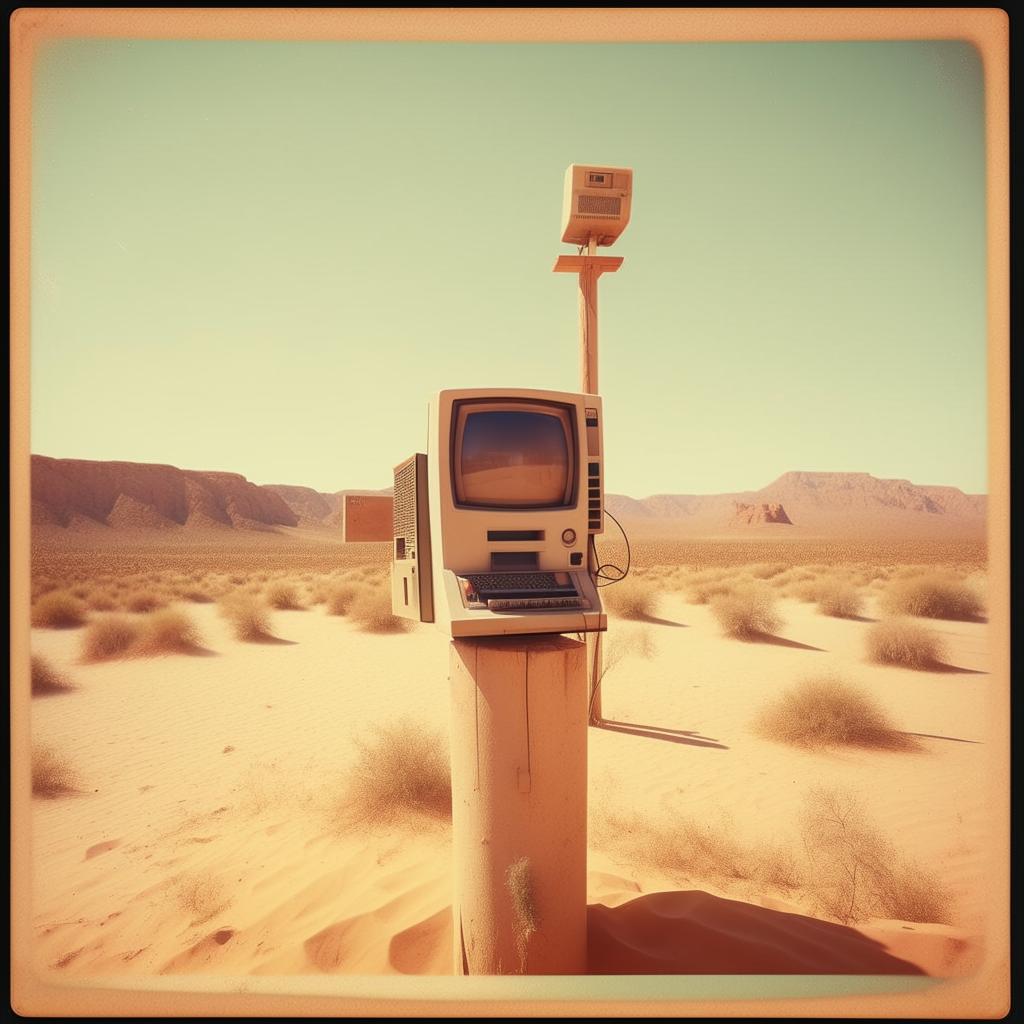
(340, 596)
(58, 610)
(101, 601)
(52, 774)
(637, 642)
(248, 617)
(111, 637)
(856, 873)
(933, 596)
(746, 612)
(43, 585)
(766, 570)
(46, 680)
(630, 599)
(169, 632)
(202, 897)
(778, 867)
(519, 883)
(283, 596)
(401, 769)
(196, 595)
(145, 601)
(702, 587)
(806, 589)
(839, 599)
(827, 713)
(902, 642)
(371, 611)
(685, 849)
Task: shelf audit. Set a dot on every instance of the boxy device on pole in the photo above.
(493, 543)
(595, 211)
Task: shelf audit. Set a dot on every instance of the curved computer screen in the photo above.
(510, 455)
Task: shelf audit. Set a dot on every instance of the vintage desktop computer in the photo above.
(492, 525)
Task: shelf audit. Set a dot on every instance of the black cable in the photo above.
(597, 684)
(599, 573)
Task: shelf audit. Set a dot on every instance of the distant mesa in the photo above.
(92, 497)
(763, 512)
(815, 505)
(79, 494)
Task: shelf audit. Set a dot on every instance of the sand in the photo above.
(205, 835)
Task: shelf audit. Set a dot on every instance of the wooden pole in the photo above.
(590, 268)
(519, 805)
(588, 324)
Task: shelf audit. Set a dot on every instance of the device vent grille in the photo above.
(599, 206)
(405, 501)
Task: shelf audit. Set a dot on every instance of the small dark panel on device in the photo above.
(514, 561)
(515, 534)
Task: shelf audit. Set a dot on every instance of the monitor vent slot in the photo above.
(405, 505)
(599, 206)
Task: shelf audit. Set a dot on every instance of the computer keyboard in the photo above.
(509, 603)
(504, 582)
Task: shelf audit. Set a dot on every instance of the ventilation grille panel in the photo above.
(405, 502)
(599, 206)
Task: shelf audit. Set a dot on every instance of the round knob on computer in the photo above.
(568, 536)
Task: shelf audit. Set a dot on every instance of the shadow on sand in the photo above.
(778, 641)
(273, 641)
(932, 736)
(653, 620)
(941, 666)
(656, 732)
(697, 933)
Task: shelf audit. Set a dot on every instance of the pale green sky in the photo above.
(262, 257)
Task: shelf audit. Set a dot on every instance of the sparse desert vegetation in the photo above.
(747, 612)
(630, 599)
(716, 824)
(371, 611)
(933, 596)
(838, 859)
(144, 601)
(828, 712)
(284, 596)
(46, 680)
(901, 641)
(248, 617)
(682, 848)
(637, 642)
(400, 769)
(857, 872)
(169, 631)
(52, 773)
(110, 637)
(340, 596)
(839, 599)
(58, 610)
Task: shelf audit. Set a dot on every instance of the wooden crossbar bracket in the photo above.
(578, 264)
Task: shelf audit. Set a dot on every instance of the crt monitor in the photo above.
(514, 455)
(514, 489)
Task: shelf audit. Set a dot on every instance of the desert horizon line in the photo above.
(655, 494)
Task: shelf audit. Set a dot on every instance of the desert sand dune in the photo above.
(208, 833)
